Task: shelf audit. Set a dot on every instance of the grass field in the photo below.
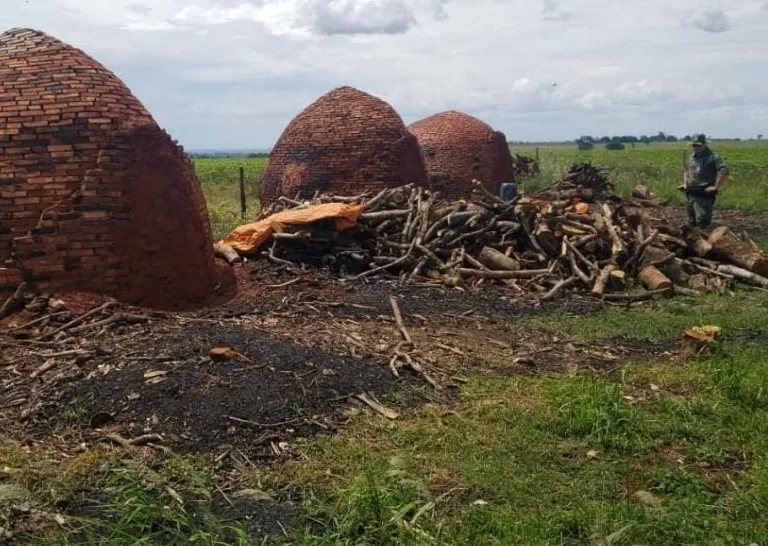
(220, 179)
(540, 460)
(660, 167)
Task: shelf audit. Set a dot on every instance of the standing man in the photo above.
(705, 174)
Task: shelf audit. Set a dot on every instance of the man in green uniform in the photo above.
(705, 174)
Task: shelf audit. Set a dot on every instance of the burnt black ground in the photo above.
(194, 403)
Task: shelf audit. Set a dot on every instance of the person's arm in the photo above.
(722, 174)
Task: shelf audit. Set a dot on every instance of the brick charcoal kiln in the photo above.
(94, 196)
(346, 142)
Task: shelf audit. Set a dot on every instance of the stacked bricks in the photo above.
(459, 148)
(347, 142)
(94, 196)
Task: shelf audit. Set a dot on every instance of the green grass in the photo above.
(660, 167)
(220, 180)
(520, 445)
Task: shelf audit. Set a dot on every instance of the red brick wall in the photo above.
(347, 142)
(77, 154)
(458, 148)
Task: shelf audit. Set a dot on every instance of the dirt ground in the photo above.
(304, 348)
(305, 352)
(753, 224)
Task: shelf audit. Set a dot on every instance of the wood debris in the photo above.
(575, 237)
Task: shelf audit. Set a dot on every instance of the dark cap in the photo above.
(700, 139)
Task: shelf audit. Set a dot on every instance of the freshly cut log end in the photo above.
(653, 279)
(728, 247)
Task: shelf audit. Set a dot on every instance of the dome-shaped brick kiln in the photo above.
(347, 142)
(94, 196)
(458, 148)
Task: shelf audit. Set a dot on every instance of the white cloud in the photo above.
(232, 73)
(552, 11)
(322, 17)
(708, 19)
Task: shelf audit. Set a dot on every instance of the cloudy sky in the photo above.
(232, 73)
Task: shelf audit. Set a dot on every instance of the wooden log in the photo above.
(598, 290)
(13, 301)
(638, 254)
(653, 255)
(379, 216)
(493, 259)
(520, 274)
(559, 287)
(744, 275)
(547, 240)
(642, 296)
(226, 252)
(618, 249)
(653, 279)
(728, 247)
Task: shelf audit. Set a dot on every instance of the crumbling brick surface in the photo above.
(458, 148)
(94, 196)
(346, 142)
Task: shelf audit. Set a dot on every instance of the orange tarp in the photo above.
(248, 238)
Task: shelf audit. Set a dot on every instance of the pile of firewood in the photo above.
(528, 243)
(582, 182)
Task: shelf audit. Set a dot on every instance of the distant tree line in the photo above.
(213, 155)
(661, 136)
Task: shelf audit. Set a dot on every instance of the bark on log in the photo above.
(727, 246)
(521, 274)
(617, 248)
(654, 279)
(546, 239)
(744, 275)
(493, 259)
(697, 242)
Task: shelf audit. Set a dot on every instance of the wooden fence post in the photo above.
(537, 154)
(243, 206)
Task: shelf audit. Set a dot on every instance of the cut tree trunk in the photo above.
(697, 242)
(744, 275)
(547, 239)
(226, 252)
(654, 279)
(598, 290)
(727, 246)
(493, 259)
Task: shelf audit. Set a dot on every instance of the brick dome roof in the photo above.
(458, 148)
(347, 142)
(94, 196)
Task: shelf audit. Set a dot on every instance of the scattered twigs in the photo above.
(10, 304)
(399, 320)
(82, 318)
(559, 287)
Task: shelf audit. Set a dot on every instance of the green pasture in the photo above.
(660, 167)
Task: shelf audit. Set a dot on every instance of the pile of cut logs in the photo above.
(530, 244)
(581, 182)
